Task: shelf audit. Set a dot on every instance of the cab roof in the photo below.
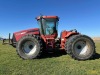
(48, 17)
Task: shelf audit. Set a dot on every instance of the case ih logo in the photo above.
(21, 33)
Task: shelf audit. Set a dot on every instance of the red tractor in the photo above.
(30, 43)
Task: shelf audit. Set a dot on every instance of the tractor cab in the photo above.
(48, 25)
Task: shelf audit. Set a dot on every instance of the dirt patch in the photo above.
(96, 38)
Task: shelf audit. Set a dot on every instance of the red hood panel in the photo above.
(25, 31)
(18, 35)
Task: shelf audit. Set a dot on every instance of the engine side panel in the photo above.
(18, 35)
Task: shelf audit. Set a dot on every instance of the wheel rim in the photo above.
(82, 48)
(29, 47)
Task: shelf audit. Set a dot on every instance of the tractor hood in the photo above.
(18, 35)
(26, 31)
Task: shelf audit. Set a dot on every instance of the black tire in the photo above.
(29, 47)
(80, 47)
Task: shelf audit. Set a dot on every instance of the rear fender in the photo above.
(70, 34)
(65, 35)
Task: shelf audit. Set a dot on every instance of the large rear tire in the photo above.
(80, 47)
(29, 47)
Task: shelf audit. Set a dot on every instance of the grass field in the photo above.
(49, 64)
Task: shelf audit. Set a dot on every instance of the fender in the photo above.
(70, 34)
(65, 35)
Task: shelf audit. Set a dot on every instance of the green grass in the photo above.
(11, 64)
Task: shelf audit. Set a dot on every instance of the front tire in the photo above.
(28, 47)
(80, 47)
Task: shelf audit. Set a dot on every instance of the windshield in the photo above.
(49, 26)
